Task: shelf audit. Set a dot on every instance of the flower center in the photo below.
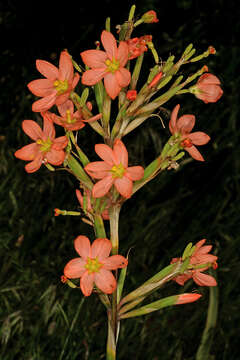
(118, 171)
(69, 119)
(186, 143)
(93, 265)
(113, 65)
(45, 145)
(61, 86)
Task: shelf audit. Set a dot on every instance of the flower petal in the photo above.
(67, 105)
(114, 262)
(199, 138)
(35, 164)
(45, 103)
(105, 153)
(86, 283)
(65, 67)
(111, 85)
(94, 58)
(60, 143)
(55, 157)
(27, 152)
(135, 172)
(122, 53)
(41, 87)
(82, 246)
(124, 186)
(204, 279)
(92, 77)
(98, 169)
(194, 153)
(102, 187)
(186, 123)
(47, 69)
(173, 120)
(120, 153)
(101, 248)
(123, 77)
(105, 281)
(32, 129)
(48, 128)
(75, 268)
(109, 43)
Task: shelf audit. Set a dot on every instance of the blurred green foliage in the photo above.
(40, 318)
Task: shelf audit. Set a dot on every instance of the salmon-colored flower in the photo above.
(182, 128)
(200, 261)
(113, 170)
(70, 119)
(89, 209)
(57, 86)
(45, 149)
(94, 265)
(150, 17)
(107, 65)
(207, 88)
(187, 298)
(137, 45)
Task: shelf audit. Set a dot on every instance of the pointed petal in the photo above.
(105, 281)
(199, 138)
(75, 268)
(120, 153)
(48, 128)
(173, 120)
(92, 77)
(204, 250)
(208, 79)
(122, 53)
(102, 187)
(111, 85)
(41, 87)
(194, 153)
(123, 77)
(105, 153)
(135, 172)
(79, 196)
(47, 69)
(204, 279)
(35, 164)
(45, 103)
(86, 283)
(94, 58)
(60, 99)
(27, 152)
(101, 248)
(199, 244)
(82, 246)
(75, 81)
(186, 123)
(124, 186)
(67, 105)
(98, 169)
(60, 143)
(32, 129)
(114, 262)
(55, 157)
(65, 67)
(109, 43)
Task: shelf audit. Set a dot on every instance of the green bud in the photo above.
(187, 251)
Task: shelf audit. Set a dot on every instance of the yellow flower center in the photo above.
(93, 265)
(113, 65)
(69, 119)
(118, 171)
(61, 86)
(45, 145)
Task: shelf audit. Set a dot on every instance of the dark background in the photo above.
(40, 318)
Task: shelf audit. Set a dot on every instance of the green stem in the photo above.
(99, 226)
(203, 351)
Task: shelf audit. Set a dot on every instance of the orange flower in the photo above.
(131, 95)
(207, 88)
(182, 128)
(137, 45)
(200, 261)
(187, 298)
(69, 119)
(57, 86)
(108, 64)
(113, 170)
(46, 147)
(94, 265)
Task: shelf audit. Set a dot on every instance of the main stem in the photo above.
(112, 315)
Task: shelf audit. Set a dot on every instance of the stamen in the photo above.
(118, 171)
(93, 265)
(61, 86)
